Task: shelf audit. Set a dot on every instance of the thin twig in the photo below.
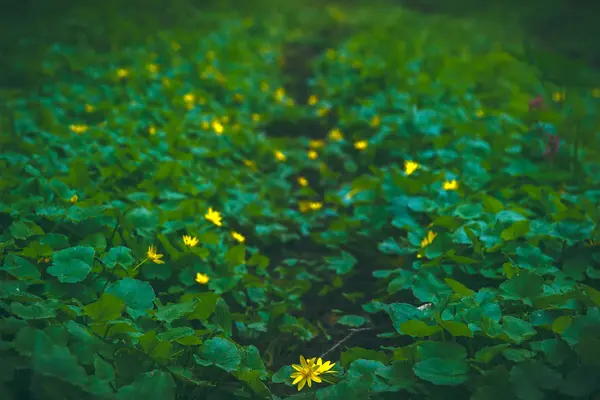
(348, 336)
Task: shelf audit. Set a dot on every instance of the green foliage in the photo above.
(474, 275)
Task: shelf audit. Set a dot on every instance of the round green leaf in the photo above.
(136, 294)
(221, 353)
(72, 265)
(440, 371)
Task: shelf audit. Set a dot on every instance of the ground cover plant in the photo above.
(301, 203)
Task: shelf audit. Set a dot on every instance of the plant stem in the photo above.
(348, 336)
(137, 266)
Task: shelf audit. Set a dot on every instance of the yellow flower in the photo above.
(122, 73)
(451, 185)
(78, 128)
(280, 94)
(312, 154)
(312, 100)
(256, 117)
(189, 98)
(250, 164)
(308, 371)
(238, 97)
(205, 125)
(280, 156)
(190, 241)
(238, 236)
(428, 239)
(596, 92)
(410, 167)
(302, 181)
(361, 145)
(213, 216)
(375, 121)
(217, 127)
(336, 135)
(315, 205)
(89, 108)
(316, 144)
(321, 112)
(152, 130)
(558, 96)
(74, 199)
(202, 278)
(154, 256)
(479, 113)
(152, 68)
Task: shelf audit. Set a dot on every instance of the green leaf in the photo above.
(55, 241)
(402, 312)
(223, 317)
(206, 305)
(282, 374)
(219, 352)
(592, 293)
(517, 230)
(448, 350)
(40, 310)
(142, 218)
(468, 211)
(174, 334)
(487, 354)
(153, 385)
(236, 255)
(72, 265)
(352, 320)
(517, 330)
(251, 361)
(171, 312)
(159, 351)
(343, 264)
(417, 328)
(556, 351)
(20, 230)
(96, 240)
(525, 285)
(456, 328)
(441, 371)
(20, 268)
(355, 353)
(107, 308)
(459, 288)
(136, 294)
(398, 376)
(118, 255)
(581, 382)
(532, 377)
(518, 355)
(561, 323)
(50, 359)
(441, 244)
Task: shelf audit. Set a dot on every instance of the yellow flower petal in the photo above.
(202, 278)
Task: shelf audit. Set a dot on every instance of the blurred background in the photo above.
(563, 27)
